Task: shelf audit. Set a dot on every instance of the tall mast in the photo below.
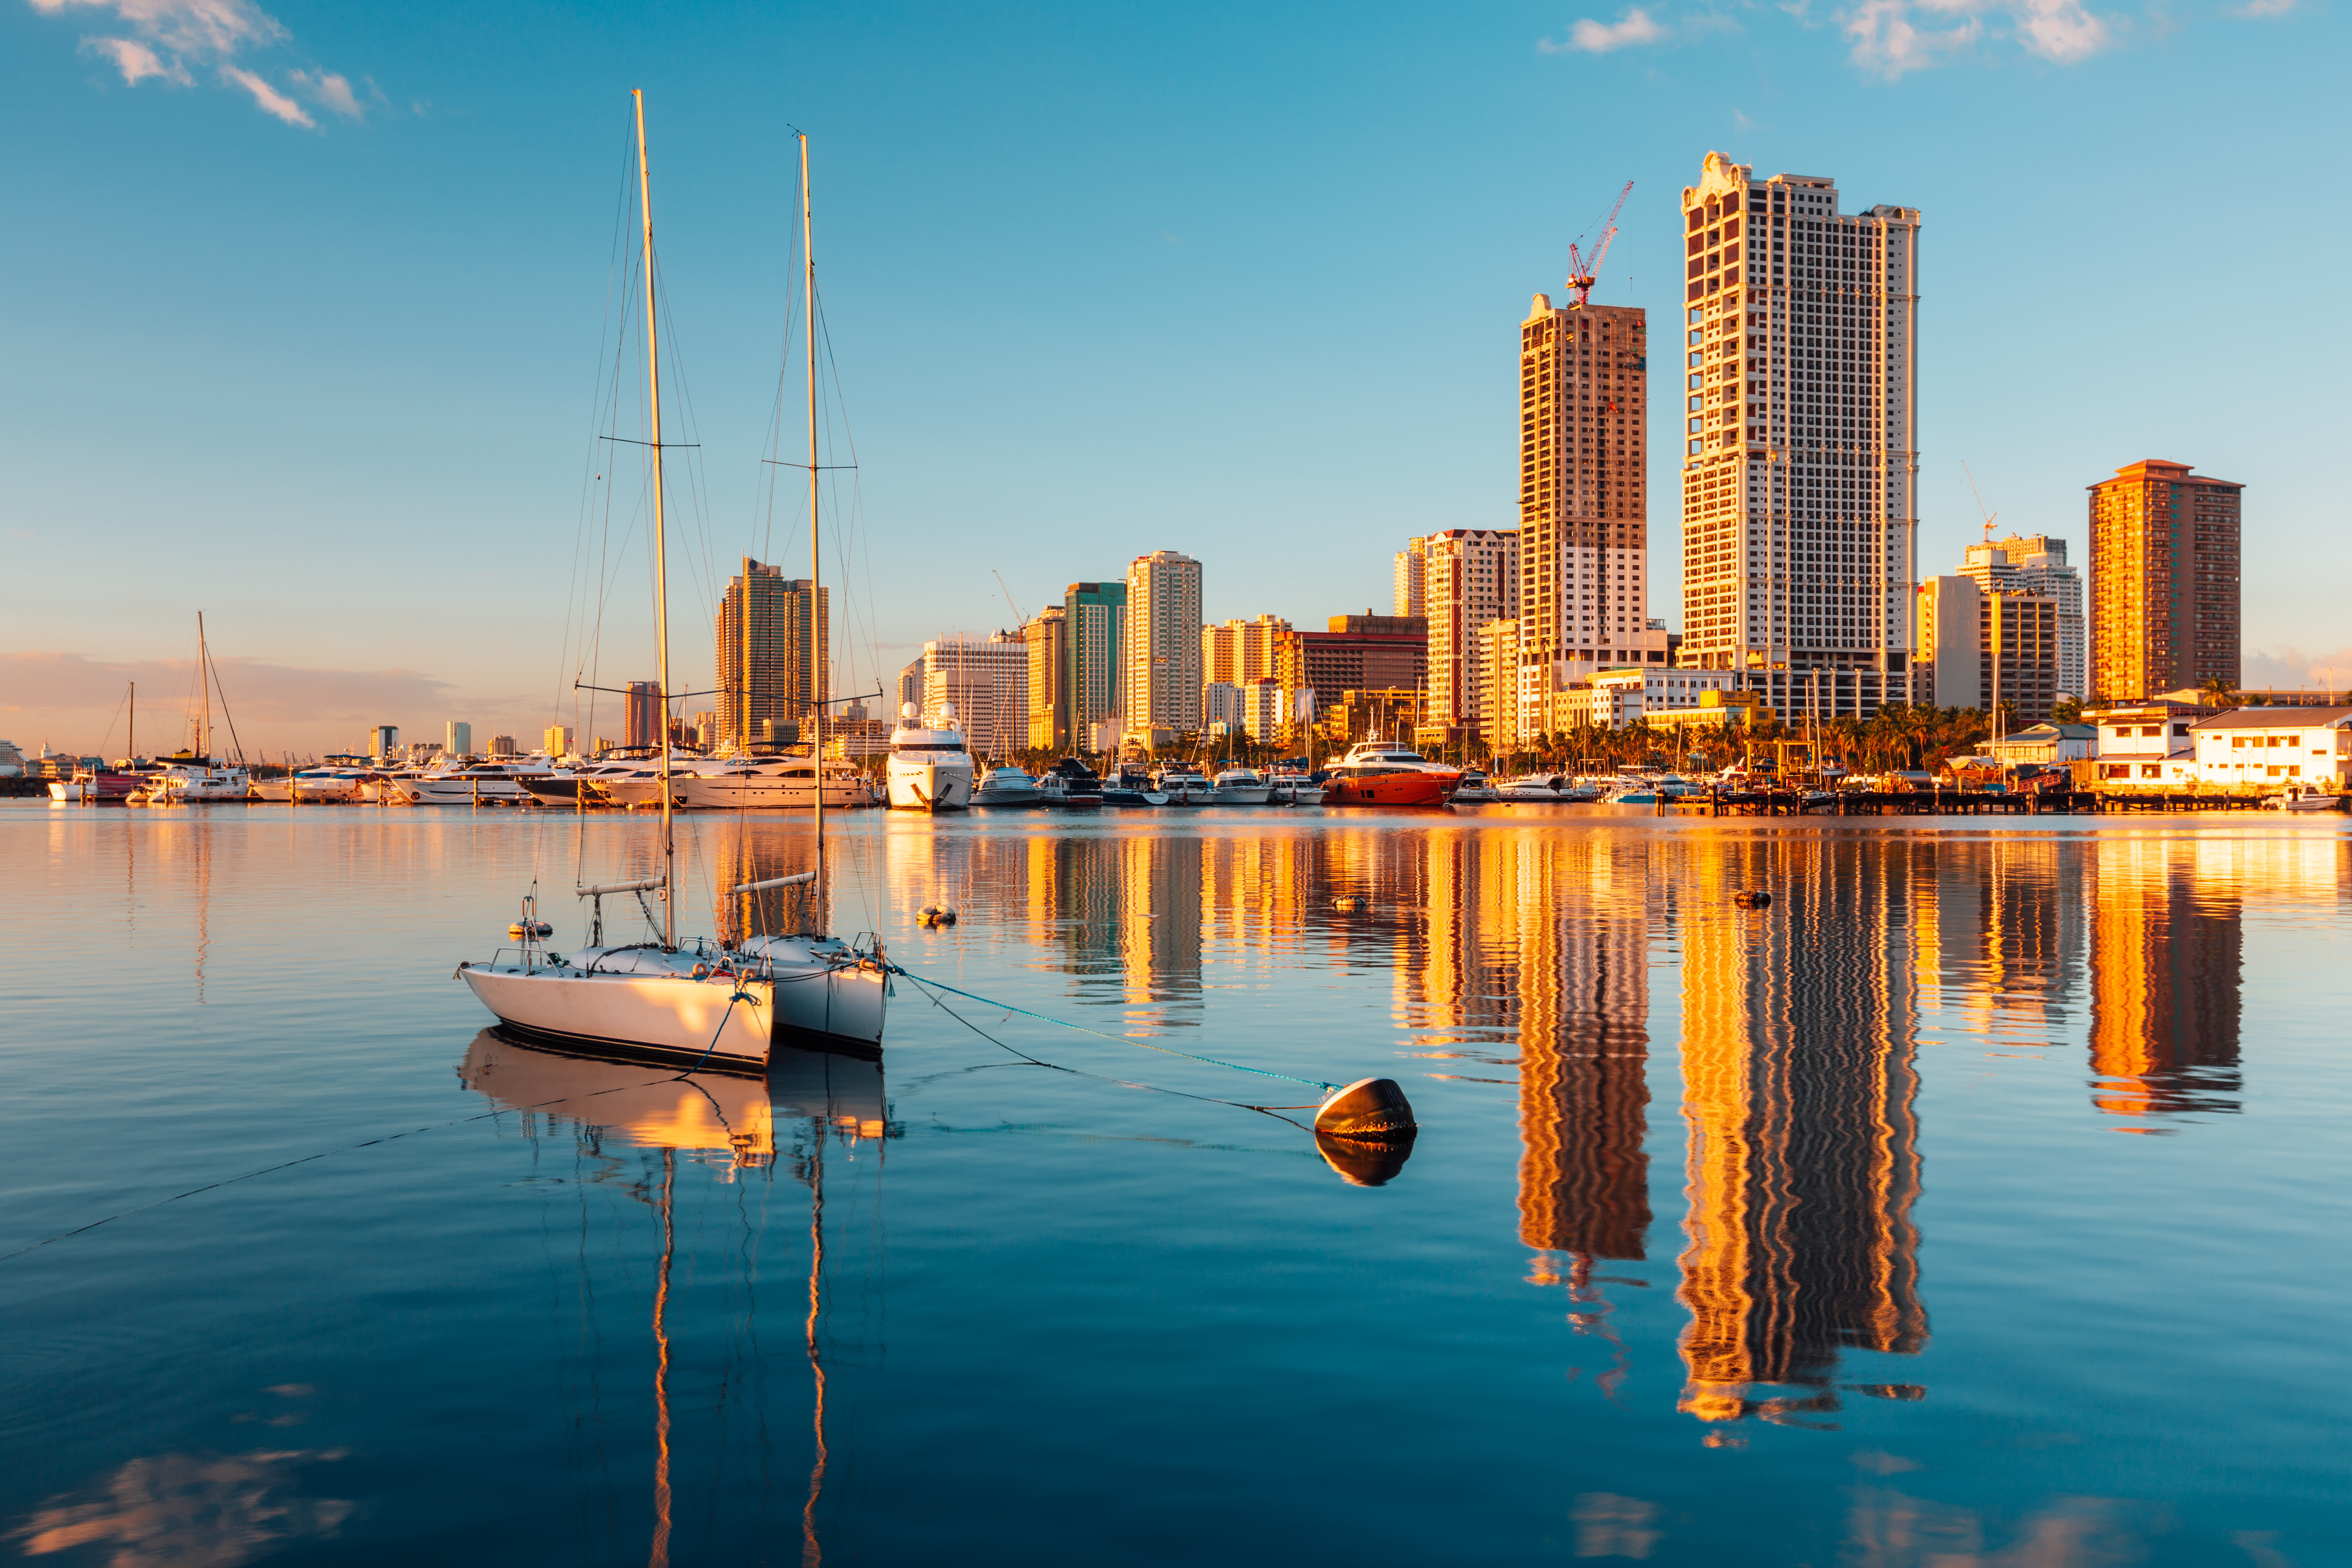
(661, 541)
(134, 723)
(817, 642)
(205, 690)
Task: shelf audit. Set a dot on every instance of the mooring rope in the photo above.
(1117, 1039)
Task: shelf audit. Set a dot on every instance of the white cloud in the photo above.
(2263, 8)
(2061, 30)
(1894, 37)
(172, 39)
(1888, 44)
(330, 91)
(137, 61)
(1591, 37)
(2282, 666)
(271, 101)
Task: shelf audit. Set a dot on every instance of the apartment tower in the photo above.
(770, 657)
(1583, 540)
(1162, 679)
(1470, 576)
(1094, 617)
(1406, 571)
(1800, 455)
(2036, 563)
(1048, 640)
(2164, 582)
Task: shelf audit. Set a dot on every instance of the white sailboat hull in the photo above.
(810, 995)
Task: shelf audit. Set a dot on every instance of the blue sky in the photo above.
(307, 315)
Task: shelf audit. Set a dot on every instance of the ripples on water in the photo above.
(1979, 1203)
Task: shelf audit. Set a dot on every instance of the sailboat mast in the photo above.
(817, 642)
(134, 723)
(661, 539)
(203, 691)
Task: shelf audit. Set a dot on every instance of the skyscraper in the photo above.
(986, 679)
(2164, 580)
(1047, 636)
(1983, 649)
(1405, 572)
(1095, 625)
(1163, 684)
(2036, 563)
(460, 741)
(1469, 576)
(1584, 541)
(1239, 652)
(1800, 457)
(641, 714)
(773, 637)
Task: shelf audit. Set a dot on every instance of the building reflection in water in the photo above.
(1799, 1090)
(2166, 950)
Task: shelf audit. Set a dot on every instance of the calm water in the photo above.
(1983, 1202)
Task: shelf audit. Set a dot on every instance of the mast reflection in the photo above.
(809, 1100)
(1799, 1082)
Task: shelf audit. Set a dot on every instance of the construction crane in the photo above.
(1582, 273)
(1988, 516)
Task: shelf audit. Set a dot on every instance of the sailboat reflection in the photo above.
(817, 1099)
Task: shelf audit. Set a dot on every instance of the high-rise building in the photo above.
(1358, 653)
(459, 739)
(910, 684)
(1983, 648)
(1800, 457)
(1047, 636)
(1406, 570)
(641, 713)
(1499, 664)
(2164, 580)
(987, 681)
(1469, 576)
(557, 741)
(773, 662)
(1162, 679)
(502, 745)
(1239, 652)
(1095, 623)
(384, 740)
(2036, 563)
(1583, 540)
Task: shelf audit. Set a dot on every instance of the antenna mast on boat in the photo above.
(661, 543)
(817, 640)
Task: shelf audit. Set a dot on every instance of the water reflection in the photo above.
(193, 1510)
(2166, 948)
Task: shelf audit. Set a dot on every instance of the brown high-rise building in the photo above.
(771, 656)
(2164, 582)
(1584, 531)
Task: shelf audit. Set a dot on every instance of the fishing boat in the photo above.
(929, 768)
(1387, 772)
(720, 1005)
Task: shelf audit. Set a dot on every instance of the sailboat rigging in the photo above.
(723, 1004)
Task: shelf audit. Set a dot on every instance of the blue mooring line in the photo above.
(1119, 1039)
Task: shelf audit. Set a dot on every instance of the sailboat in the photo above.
(192, 775)
(723, 1003)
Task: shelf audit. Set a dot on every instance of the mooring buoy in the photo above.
(1752, 898)
(1371, 1107)
(1351, 905)
(932, 915)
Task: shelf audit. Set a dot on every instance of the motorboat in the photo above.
(1008, 787)
(1131, 785)
(730, 783)
(1242, 787)
(2303, 798)
(1550, 787)
(324, 786)
(1475, 788)
(1294, 789)
(471, 784)
(931, 767)
(186, 778)
(1388, 773)
(1184, 784)
(101, 787)
(1070, 784)
(640, 783)
(701, 1004)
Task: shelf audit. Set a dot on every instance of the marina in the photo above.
(1628, 1263)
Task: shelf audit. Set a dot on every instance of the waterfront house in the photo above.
(2053, 742)
(2274, 747)
(2146, 743)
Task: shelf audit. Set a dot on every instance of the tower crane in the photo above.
(1582, 273)
(1988, 516)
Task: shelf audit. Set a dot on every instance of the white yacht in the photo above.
(1242, 787)
(1185, 786)
(704, 1004)
(640, 782)
(466, 782)
(191, 779)
(729, 784)
(930, 770)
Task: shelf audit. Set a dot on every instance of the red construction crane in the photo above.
(1582, 273)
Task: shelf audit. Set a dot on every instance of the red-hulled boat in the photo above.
(1385, 773)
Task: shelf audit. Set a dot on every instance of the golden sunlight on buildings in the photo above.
(2167, 945)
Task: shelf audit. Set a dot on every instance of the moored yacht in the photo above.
(769, 783)
(1184, 784)
(467, 783)
(1131, 784)
(1070, 784)
(1242, 787)
(929, 768)
(1008, 787)
(1387, 772)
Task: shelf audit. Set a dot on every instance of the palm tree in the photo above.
(2219, 692)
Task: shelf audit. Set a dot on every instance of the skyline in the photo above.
(328, 382)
